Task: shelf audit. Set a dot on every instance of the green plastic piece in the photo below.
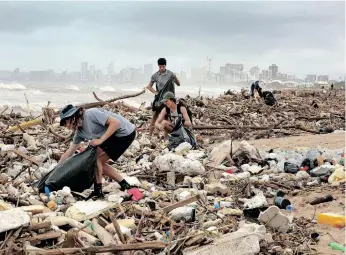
(337, 246)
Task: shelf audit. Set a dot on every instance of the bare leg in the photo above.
(168, 127)
(152, 123)
(107, 169)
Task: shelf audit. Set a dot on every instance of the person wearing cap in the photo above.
(173, 109)
(256, 87)
(111, 132)
(164, 80)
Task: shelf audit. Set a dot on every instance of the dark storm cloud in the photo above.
(242, 29)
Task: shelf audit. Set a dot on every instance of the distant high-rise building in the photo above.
(148, 71)
(311, 78)
(110, 71)
(183, 75)
(92, 73)
(275, 70)
(199, 74)
(265, 75)
(323, 78)
(84, 71)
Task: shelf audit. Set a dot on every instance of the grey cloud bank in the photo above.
(301, 37)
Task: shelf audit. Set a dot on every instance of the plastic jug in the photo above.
(338, 175)
(332, 219)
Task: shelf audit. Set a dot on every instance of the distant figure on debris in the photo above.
(164, 80)
(256, 87)
(111, 132)
(175, 119)
(332, 86)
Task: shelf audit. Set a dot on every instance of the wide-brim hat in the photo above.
(67, 112)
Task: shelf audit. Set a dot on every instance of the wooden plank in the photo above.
(181, 203)
(101, 249)
(25, 156)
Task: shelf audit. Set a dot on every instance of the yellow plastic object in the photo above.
(26, 124)
(332, 219)
(51, 205)
(338, 175)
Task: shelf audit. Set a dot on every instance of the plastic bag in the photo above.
(290, 168)
(181, 134)
(77, 172)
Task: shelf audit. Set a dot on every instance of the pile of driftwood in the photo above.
(298, 112)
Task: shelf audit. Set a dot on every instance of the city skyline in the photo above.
(60, 35)
(228, 73)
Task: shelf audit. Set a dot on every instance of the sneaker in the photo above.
(95, 194)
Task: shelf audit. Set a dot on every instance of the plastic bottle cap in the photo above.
(289, 208)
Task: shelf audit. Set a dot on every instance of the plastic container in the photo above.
(332, 219)
(337, 176)
(337, 246)
(7, 147)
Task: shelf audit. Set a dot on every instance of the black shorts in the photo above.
(115, 146)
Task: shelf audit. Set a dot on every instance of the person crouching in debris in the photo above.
(175, 119)
(256, 87)
(111, 132)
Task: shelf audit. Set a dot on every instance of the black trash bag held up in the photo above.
(181, 134)
(77, 172)
(169, 86)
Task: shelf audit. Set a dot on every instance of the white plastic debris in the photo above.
(272, 217)
(144, 141)
(302, 175)
(258, 201)
(220, 153)
(245, 167)
(254, 169)
(12, 219)
(182, 213)
(30, 141)
(166, 163)
(183, 148)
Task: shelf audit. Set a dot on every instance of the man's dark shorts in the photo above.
(115, 146)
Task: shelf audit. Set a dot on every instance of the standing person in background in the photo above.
(164, 80)
(256, 87)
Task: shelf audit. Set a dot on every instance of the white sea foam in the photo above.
(36, 92)
(73, 87)
(12, 86)
(106, 89)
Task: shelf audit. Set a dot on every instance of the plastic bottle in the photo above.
(7, 147)
(332, 219)
(337, 246)
(321, 200)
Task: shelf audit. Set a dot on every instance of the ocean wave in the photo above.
(106, 89)
(36, 92)
(137, 89)
(73, 87)
(12, 86)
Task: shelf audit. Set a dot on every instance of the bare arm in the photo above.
(73, 147)
(160, 118)
(150, 85)
(150, 88)
(186, 117)
(113, 125)
(176, 80)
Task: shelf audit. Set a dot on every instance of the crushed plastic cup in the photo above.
(135, 193)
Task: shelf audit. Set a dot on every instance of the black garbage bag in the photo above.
(77, 172)
(181, 134)
(269, 98)
(290, 168)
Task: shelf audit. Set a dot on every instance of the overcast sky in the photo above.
(300, 37)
